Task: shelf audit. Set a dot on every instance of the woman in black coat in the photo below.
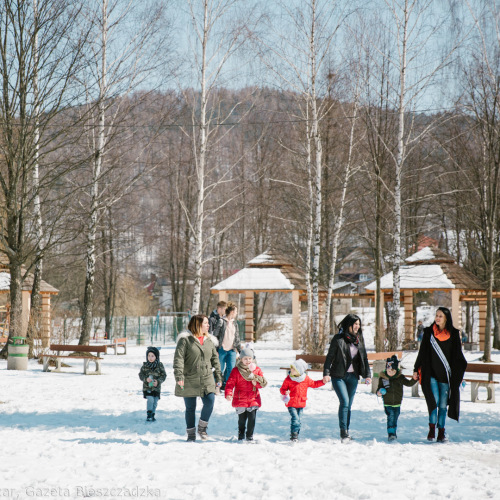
(441, 365)
(345, 362)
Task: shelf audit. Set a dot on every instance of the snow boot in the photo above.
(294, 437)
(191, 434)
(441, 436)
(344, 435)
(202, 430)
(392, 436)
(153, 419)
(432, 432)
(149, 418)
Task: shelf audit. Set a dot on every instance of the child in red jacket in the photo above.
(242, 387)
(294, 391)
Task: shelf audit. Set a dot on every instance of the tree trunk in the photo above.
(88, 296)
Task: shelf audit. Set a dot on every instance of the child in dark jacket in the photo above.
(242, 388)
(294, 391)
(152, 375)
(390, 387)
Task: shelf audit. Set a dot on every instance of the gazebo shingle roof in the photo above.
(268, 271)
(432, 269)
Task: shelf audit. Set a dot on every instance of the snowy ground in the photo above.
(66, 435)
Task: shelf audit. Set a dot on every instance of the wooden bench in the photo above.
(372, 357)
(320, 359)
(488, 368)
(115, 343)
(75, 348)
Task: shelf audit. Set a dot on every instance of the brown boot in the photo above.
(441, 436)
(432, 432)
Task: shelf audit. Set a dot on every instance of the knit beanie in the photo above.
(247, 351)
(155, 351)
(392, 362)
(300, 365)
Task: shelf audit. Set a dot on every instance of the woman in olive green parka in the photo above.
(195, 363)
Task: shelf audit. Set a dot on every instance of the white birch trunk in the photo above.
(339, 223)
(318, 162)
(88, 298)
(310, 228)
(200, 158)
(400, 158)
(37, 274)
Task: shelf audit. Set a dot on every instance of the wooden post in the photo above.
(296, 319)
(249, 326)
(380, 326)
(482, 323)
(409, 326)
(456, 309)
(45, 330)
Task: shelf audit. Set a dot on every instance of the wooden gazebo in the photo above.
(269, 272)
(431, 270)
(46, 291)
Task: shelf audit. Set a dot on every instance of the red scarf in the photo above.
(441, 335)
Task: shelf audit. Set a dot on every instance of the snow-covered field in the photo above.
(66, 435)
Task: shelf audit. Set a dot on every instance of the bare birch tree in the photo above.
(219, 29)
(118, 63)
(412, 27)
(297, 53)
(40, 49)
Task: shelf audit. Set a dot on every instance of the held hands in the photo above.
(415, 375)
(326, 379)
(368, 381)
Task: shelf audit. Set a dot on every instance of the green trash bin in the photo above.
(17, 358)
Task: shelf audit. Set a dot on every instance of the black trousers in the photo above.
(247, 418)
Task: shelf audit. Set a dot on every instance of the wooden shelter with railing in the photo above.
(269, 272)
(46, 291)
(431, 270)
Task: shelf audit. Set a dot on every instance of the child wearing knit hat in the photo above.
(242, 388)
(294, 394)
(390, 387)
(152, 375)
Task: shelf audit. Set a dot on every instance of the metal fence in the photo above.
(159, 329)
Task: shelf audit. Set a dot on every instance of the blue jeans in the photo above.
(295, 413)
(345, 388)
(227, 359)
(440, 392)
(152, 403)
(392, 413)
(208, 406)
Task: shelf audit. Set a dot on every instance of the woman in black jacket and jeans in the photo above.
(440, 365)
(345, 362)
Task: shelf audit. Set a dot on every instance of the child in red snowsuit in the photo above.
(242, 387)
(294, 391)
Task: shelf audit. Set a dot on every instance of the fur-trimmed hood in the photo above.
(213, 338)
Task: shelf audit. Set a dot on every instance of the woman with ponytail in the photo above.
(345, 362)
(440, 365)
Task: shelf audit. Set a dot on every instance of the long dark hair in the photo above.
(348, 321)
(449, 320)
